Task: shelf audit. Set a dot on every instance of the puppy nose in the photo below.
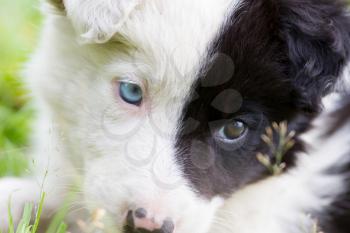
(138, 221)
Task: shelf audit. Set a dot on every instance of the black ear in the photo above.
(317, 35)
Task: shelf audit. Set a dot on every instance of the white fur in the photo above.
(287, 203)
(121, 157)
(344, 82)
(97, 21)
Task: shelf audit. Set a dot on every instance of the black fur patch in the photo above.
(273, 61)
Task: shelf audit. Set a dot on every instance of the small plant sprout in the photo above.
(315, 228)
(95, 224)
(278, 149)
(312, 227)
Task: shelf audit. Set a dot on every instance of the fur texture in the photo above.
(200, 64)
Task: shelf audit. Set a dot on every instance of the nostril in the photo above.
(130, 220)
(140, 213)
(130, 225)
(168, 226)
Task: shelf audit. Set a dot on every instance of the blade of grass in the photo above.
(11, 227)
(62, 228)
(38, 213)
(61, 214)
(25, 221)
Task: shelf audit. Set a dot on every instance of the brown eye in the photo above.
(233, 130)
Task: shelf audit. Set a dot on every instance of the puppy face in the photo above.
(164, 119)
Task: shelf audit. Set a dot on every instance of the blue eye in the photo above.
(130, 92)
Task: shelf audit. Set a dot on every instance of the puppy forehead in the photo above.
(174, 36)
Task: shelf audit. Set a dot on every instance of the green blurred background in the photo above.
(19, 27)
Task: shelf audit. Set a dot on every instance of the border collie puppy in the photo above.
(312, 197)
(153, 109)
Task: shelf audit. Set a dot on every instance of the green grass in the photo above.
(19, 24)
(26, 224)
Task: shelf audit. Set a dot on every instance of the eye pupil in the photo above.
(234, 130)
(130, 93)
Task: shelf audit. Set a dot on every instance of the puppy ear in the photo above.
(96, 21)
(317, 34)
